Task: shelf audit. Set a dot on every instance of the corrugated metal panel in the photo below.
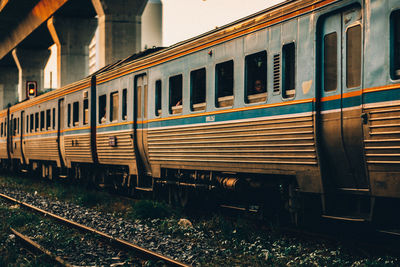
(120, 153)
(279, 141)
(383, 142)
(41, 149)
(77, 148)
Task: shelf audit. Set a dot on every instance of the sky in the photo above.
(183, 19)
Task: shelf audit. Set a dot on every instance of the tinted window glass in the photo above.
(224, 81)
(158, 98)
(124, 104)
(69, 115)
(76, 113)
(85, 111)
(353, 56)
(48, 118)
(198, 89)
(289, 69)
(395, 45)
(102, 109)
(330, 62)
(175, 94)
(256, 76)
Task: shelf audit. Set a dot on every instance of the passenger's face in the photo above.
(258, 86)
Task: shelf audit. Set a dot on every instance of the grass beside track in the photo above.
(233, 242)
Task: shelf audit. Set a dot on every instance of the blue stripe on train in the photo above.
(237, 115)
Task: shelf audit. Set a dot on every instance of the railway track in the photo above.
(143, 252)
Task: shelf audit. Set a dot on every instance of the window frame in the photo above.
(201, 106)
(158, 96)
(394, 74)
(228, 98)
(258, 97)
(284, 74)
(175, 109)
(112, 110)
(361, 53)
(124, 102)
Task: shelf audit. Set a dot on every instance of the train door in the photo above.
(140, 114)
(340, 101)
(60, 130)
(22, 129)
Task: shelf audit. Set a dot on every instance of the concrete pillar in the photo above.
(30, 64)
(119, 23)
(72, 37)
(152, 24)
(8, 86)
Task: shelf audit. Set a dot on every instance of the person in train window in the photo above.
(104, 118)
(258, 87)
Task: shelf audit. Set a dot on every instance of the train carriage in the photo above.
(301, 99)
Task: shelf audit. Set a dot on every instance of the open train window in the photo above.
(353, 56)
(102, 109)
(288, 70)
(114, 106)
(224, 83)
(41, 120)
(69, 115)
(18, 125)
(256, 77)
(31, 123)
(330, 62)
(48, 119)
(124, 104)
(175, 94)
(395, 45)
(75, 114)
(54, 118)
(27, 124)
(198, 89)
(85, 111)
(36, 121)
(158, 98)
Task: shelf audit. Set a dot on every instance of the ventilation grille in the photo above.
(277, 72)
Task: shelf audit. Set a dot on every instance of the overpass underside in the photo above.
(29, 27)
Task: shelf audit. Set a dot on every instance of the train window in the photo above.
(353, 56)
(54, 118)
(395, 45)
(1, 129)
(85, 111)
(102, 109)
(158, 98)
(224, 83)
(330, 62)
(27, 124)
(198, 89)
(69, 115)
(31, 123)
(124, 104)
(175, 94)
(75, 114)
(48, 119)
(256, 77)
(41, 120)
(114, 105)
(36, 121)
(18, 125)
(289, 69)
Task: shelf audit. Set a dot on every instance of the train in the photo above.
(297, 106)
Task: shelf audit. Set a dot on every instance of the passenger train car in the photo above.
(322, 122)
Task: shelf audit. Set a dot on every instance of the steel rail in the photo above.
(35, 245)
(118, 241)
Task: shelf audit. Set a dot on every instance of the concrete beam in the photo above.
(72, 37)
(37, 16)
(30, 64)
(119, 28)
